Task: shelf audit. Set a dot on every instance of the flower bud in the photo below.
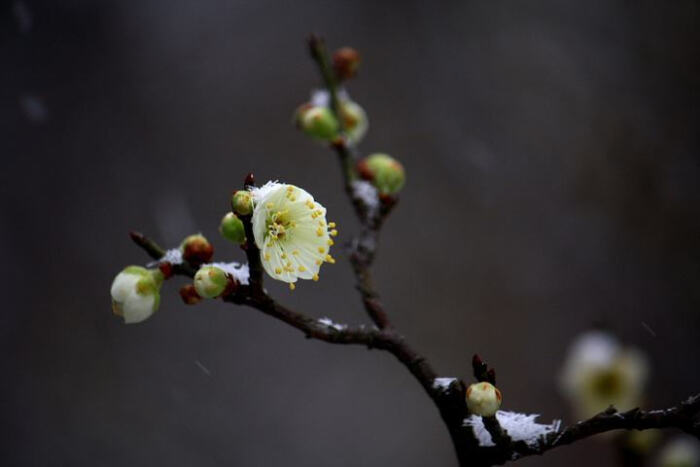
(189, 294)
(355, 122)
(346, 61)
(196, 249)
(210, 282)
(232, 229)
(136, 293)
(483, 399)
(242, 202)
(385, 173)
(317, 121)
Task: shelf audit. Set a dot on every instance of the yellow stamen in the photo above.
(315, 278)
(302, 269)
(278, 271)
(295, 252)
(333, 233)
(267, 256)
(321, 250)
(331, 242)
(331, 224)
(292, 286)
(330, 259)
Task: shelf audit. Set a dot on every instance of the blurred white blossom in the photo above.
(599, 372)
(682, 451)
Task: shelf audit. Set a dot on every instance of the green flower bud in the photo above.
(483, 399)
(242, 202)
(232, 229)
(355, 122)
(196, 249)
(317, 122)
(210, 282)
(136, 293)
(385, 173)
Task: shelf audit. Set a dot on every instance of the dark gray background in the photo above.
(551, 150)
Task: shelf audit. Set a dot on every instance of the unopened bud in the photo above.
(242, 202)
(346, 62)
(189, 294)
(355, 122)
(385, 173)
(317, 121)
(232, 229)
(196, 249)
(210, 282)
(136, 293)
(483, 399)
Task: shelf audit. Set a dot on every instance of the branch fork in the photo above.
(449, 400)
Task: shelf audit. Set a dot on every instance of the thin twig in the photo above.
(450, 402)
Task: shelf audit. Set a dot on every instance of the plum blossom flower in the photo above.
(599, 372)
(682, 451)
(291, 231)
(136, 293)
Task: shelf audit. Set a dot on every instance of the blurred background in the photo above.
(552, 157)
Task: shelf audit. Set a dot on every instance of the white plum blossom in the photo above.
(136, 293)
(682, 451)
(599, 372)
(291, 231)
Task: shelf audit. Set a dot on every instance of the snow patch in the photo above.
(520, 427)
(367, 193)
(328, 322)
(238, 271)
(443, 384)
(259, 193)
(172, 256)
(322, 98)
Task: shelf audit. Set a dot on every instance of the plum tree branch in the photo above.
(450, 399)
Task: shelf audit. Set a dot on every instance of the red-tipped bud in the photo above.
(346, 62)
(167, 269)
(249, 180)
(491, 376)
(189, 294)
(196, 250)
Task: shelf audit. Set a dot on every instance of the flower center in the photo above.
(608, 383)
(278, 224)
